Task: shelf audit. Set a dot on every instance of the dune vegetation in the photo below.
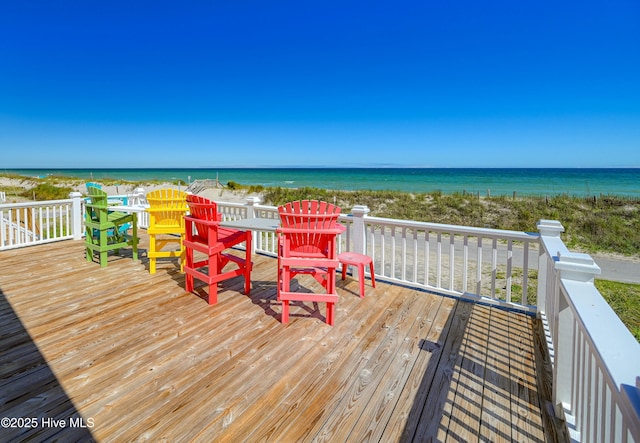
(608, 224)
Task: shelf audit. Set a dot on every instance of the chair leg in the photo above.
(212, 298)
(134, 240)
(285, 311)
(152, 254)
(188, 278)
(361, 278)
(373, 278)
(247, 282)
(331, 312)
(103, 259)
(213, 269)
(248, 265)
(103, 243)
(344, 271)
(181, 258)
(279, 283)
(284, 278)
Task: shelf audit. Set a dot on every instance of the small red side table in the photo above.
(359, 260)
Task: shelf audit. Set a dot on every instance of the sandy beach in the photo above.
(217, 194)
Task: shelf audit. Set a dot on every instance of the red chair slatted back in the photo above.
(310, 217)
(204, 209)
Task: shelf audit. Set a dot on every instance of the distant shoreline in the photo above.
(540, 182)
(79, 185)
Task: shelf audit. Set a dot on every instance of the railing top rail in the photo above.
(31, 204)
(230, 204)
(438, 227)
(458, 229)
(622, 361)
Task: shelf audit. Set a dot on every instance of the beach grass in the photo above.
(624, 299)
(46, 191)
(608, 224)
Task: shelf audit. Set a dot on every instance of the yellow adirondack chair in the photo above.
(167, 208)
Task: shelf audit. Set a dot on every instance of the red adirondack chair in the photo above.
(205, 235)
(307, 245)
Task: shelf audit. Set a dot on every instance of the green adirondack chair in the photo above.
(105, 229)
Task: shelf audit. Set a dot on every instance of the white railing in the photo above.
(483, 264)
(138, 198)
(3, 196)
(595, 359)
(32, 223)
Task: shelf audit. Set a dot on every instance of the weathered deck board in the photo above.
(468, 378)
(496, 407)
(526, 416)
(144, 360)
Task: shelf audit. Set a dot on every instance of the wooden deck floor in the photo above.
(136, 358)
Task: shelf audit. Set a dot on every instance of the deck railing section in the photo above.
(484, 264)
(31, 223)
(138, 198)
(595, 359)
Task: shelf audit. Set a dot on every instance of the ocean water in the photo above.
(499, 181)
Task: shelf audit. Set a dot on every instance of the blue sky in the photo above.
(92, 84)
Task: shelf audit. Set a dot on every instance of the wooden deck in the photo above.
(136, 358)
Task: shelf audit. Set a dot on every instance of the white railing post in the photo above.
(358, 232)
(358, 228)
(138, 197)
(251, 203)
(548, 229)
(76, 211)
(579, 268)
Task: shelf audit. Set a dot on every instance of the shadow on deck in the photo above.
(138, 358)
(33, 404)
